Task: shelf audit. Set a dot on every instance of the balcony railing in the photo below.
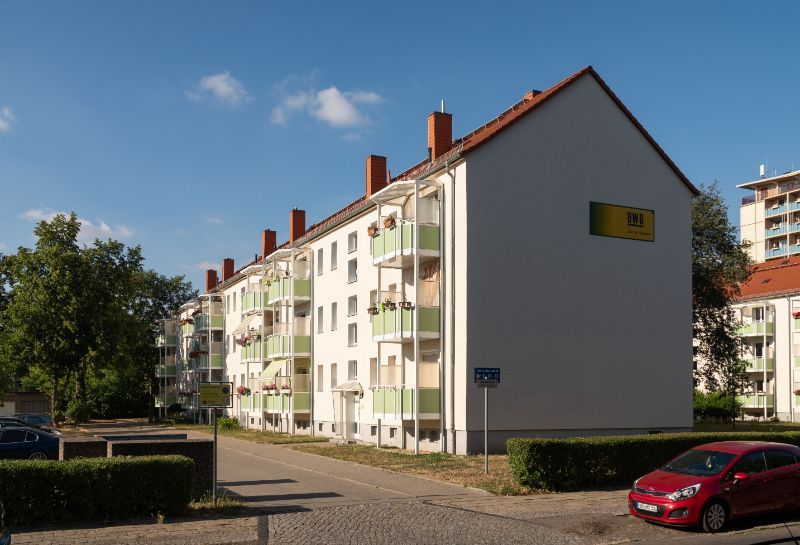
(251, 352)
(204, 322)
(278, 346)
(768, 212)
(390, 245)
(166, 340)
(776, 252)
(281, 289)
(755, 328)
(756, 401)
(398, 325)
(165, 400)
(756, 363)
(775, 231)
(165, 371)
(397, 403)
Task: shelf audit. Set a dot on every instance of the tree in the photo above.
(77, 316)
(720, 264)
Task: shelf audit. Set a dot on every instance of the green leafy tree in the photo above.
(81, 320)
(720, 264)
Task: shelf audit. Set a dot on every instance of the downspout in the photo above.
(791, 357)
(313, 337)
(378, 363)
(442, 286)
(764, 353)
(415, 318)
(452, 220)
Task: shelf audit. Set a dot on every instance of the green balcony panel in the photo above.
(429, 400)
(213, 361)
(757, 364)
(165, 371)
(756, 328)
(165, 401)
(398, 324)
(166, 340)
(398, 240)
(204, 321)
(284, 288)
(302, 401)
(281, 345)
(756, 401)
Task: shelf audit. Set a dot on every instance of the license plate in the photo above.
(647, 507)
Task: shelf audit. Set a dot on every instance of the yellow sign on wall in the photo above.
(215, 394)
(611, 220)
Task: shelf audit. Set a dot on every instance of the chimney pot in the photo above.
(376, 174)
(530, 94)
(211, 280)
(297, 224)
(269, 242)
(440, 133)
(227, 268)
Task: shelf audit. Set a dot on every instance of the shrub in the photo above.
(715, 406)
(228, 423)
(580, 463)
(34, 492)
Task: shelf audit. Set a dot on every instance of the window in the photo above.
(373, 430)
(233, 344)
(320, 327)
(751, 464)
(352, 305)
(352, 370)
(352, 270)
(334, 312)
(228, 303)
(333, 376)
(352, 335)
(433, 435)
(779, 458)
(12, 436)
(392, 432)
(320, 426)
(352, 242)
(233, 301)
(333, 256)
(759, 350)
(319, 262)
(320, 377)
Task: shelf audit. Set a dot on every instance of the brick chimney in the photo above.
(376, 174)
(530, 94)
(297, 224)
(211, 280)
(269, 242)
(227, 268)
(440, 134)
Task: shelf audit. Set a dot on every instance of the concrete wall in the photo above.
(593, 334)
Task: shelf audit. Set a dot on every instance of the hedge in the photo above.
(581, 463)
(34, 492)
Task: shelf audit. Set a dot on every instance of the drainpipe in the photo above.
(312, 338)
(415, 317)
(452, 220)
(764, 353)
(378, 364)
(442, 287)
(791, 358)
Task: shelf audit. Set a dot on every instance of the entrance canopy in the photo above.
(352, 386)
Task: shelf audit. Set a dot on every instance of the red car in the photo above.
(711, 484)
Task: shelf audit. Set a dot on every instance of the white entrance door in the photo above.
(356, 415)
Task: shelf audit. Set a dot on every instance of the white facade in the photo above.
(770, 218)
(590, 332)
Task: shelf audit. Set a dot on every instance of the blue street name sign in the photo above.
(487, 374)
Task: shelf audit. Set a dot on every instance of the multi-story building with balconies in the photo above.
(770, 218)
(530, 244)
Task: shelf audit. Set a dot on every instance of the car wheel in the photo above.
(37, 456)
(714, 517)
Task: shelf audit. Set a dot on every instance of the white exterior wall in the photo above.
(751, 227)
(593, 334)
(234, 367)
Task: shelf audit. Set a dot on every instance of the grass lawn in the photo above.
(266, 437)
(461, 470)
(748, 425)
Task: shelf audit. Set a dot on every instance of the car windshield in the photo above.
(700, 462)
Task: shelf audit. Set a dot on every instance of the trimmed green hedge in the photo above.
(34, 492)
(581, 463)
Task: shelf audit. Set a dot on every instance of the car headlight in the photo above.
(633, 486)
(684, 493)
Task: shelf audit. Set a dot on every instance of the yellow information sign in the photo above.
(611, 220)
(215, 394)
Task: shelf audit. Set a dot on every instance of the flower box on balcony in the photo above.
(388, 222)
(372, 231)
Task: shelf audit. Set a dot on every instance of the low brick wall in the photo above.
(199, 450)
(82, 447)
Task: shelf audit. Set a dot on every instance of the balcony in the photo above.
(203, 322)
(397, 403)
(756, 401)
(395, 247)
(281, 289)
(280, 346)
(165, 371)
(755, 329)
(775, 231)
(166, 340)
(776, 252)
(756, 364)
(251, 353)
(398, 325)
(165, 400)
(187, 330)
(774, 211)
(253, 301)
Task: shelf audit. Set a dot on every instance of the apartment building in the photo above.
(769, 307)
(770, 217)
(529, 244)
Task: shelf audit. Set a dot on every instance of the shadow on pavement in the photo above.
(278, 497)
(248, 483)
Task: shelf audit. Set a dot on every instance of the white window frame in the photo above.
(334, 312)
(352, 334)
(320, 319)
(320, 261)
(352, 369)
(334, 369)
(334, 255)
(352, 271)
(352, 305)
(352, 242)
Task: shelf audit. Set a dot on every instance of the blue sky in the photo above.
(188, 127)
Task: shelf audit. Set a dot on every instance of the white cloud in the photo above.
(89, 230)
(2, 246)
(221, 87)
(336, 108)
(205, 265)
(214, 220)
(7, 119)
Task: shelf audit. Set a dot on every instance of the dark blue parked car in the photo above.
(28, 443)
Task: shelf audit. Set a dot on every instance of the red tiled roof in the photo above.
(471, 141)
(484, 133)
(772, 279)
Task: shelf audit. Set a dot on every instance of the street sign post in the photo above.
(486, 377)
(215, 395)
